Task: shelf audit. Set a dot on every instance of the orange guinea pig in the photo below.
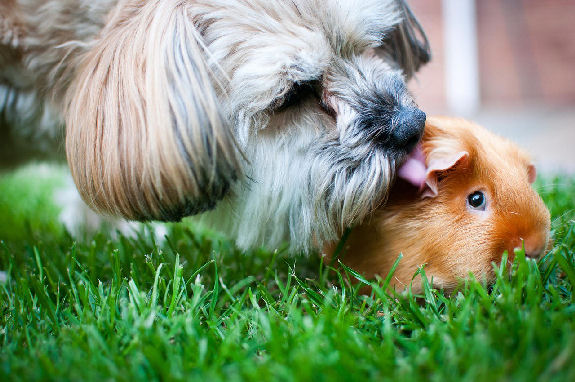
(474, 200)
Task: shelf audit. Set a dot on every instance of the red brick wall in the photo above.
(428, 86)
(526, 53)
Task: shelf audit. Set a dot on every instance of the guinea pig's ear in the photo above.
(146, 139)
(531, 173)
(438, 163)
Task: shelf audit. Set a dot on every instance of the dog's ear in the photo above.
(408, 43)
(146, 139)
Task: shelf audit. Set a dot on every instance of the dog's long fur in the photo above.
(288, 117)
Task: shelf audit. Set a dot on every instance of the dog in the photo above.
(278, 120)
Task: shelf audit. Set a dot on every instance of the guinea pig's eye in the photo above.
(476, 200)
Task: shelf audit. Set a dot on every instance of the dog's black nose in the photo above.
(409, 128)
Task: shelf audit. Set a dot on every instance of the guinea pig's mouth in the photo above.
(413, 170)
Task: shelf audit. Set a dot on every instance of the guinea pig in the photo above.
(459, 203)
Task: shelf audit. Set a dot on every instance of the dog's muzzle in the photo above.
(393, 128)
(408, 130)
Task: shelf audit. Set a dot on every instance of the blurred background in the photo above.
(508, 64)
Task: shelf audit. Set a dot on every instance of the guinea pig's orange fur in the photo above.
(442, 231)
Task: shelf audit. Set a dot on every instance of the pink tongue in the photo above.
(413, 170)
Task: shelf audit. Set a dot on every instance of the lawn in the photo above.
(193, 307)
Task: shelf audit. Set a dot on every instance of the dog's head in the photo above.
(173, 92)
(351, 57)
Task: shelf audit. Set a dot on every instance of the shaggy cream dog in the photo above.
(285, 119)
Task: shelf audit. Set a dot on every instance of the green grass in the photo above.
(196, 308)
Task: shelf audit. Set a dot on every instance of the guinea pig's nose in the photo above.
(409, 129)
(534, 253)
(535, 245)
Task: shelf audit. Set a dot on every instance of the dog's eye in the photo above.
(298, 92)
(477, 201)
